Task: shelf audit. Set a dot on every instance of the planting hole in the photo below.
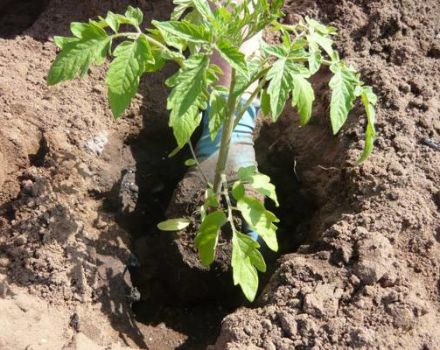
(144, 193)
(18, 15)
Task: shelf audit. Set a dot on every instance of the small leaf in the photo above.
(185, 30)
(169, 39)
(238, 190)
(260, 220)
(245, 173)
(314, 58)
(232, 55)
(184, 124)
(157, 62)
(321, 28)
(302, 97)
(113, 21)
(90, 46)
(211, 200)
(243, 80)
(203, 8)
(79, 29)
(369, 99)
(125, 71)
(323, 41)
(342, 85)
(135, 15)
(190, 162)
(279, 51)
(207, 238)
(181, 7)
(173, 224)
(279, 86)
(260, 182)
(280, 75)
(62, 41)
(265, 102)
(246, 259)
(188, 97)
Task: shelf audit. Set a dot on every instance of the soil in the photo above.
(80, 195)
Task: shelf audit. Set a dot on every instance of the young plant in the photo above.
(189, 39)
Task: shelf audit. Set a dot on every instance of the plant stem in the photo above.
(248, 102)
(228, 127)
(224, 183)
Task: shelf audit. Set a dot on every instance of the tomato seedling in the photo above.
(282, 72)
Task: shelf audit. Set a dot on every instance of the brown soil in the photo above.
(369, 277)
(80, 195)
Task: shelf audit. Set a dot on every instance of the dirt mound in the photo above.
(65, 244)
(370, 279)
(79, 193)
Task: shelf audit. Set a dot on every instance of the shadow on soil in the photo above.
(140, 200)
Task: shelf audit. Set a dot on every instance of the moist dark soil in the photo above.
(82, 265)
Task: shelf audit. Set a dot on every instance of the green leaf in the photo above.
(321, 28)
(188, 84)
(260, 182)
(279, 51)
(169, 39)
(265, 102)
(246, 259)
(185, 30)
(217, 103)
(279, 86)
(246, 173)
(135, 15)
(211, 200)
(173, 224)
(81, 30)
(113, 21)
(369, 99)
(184, 124)
(232, 55)
(323, 41)
(188, 97)
(190, 162)
(302, 97)
(159, 60)
(125, 71)
(203, 8)
(207, 238)
(243, 80)
(314, 58)
(62, 41)
(180, 8)
(259, 219)
(91, 46)
(342, 85)
(238, 190)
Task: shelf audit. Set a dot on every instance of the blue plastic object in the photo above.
(241, 152)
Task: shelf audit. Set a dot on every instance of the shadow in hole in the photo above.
(141, 198)
(275, 158)
(18, 15)
(114, 291)
(143, 194)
